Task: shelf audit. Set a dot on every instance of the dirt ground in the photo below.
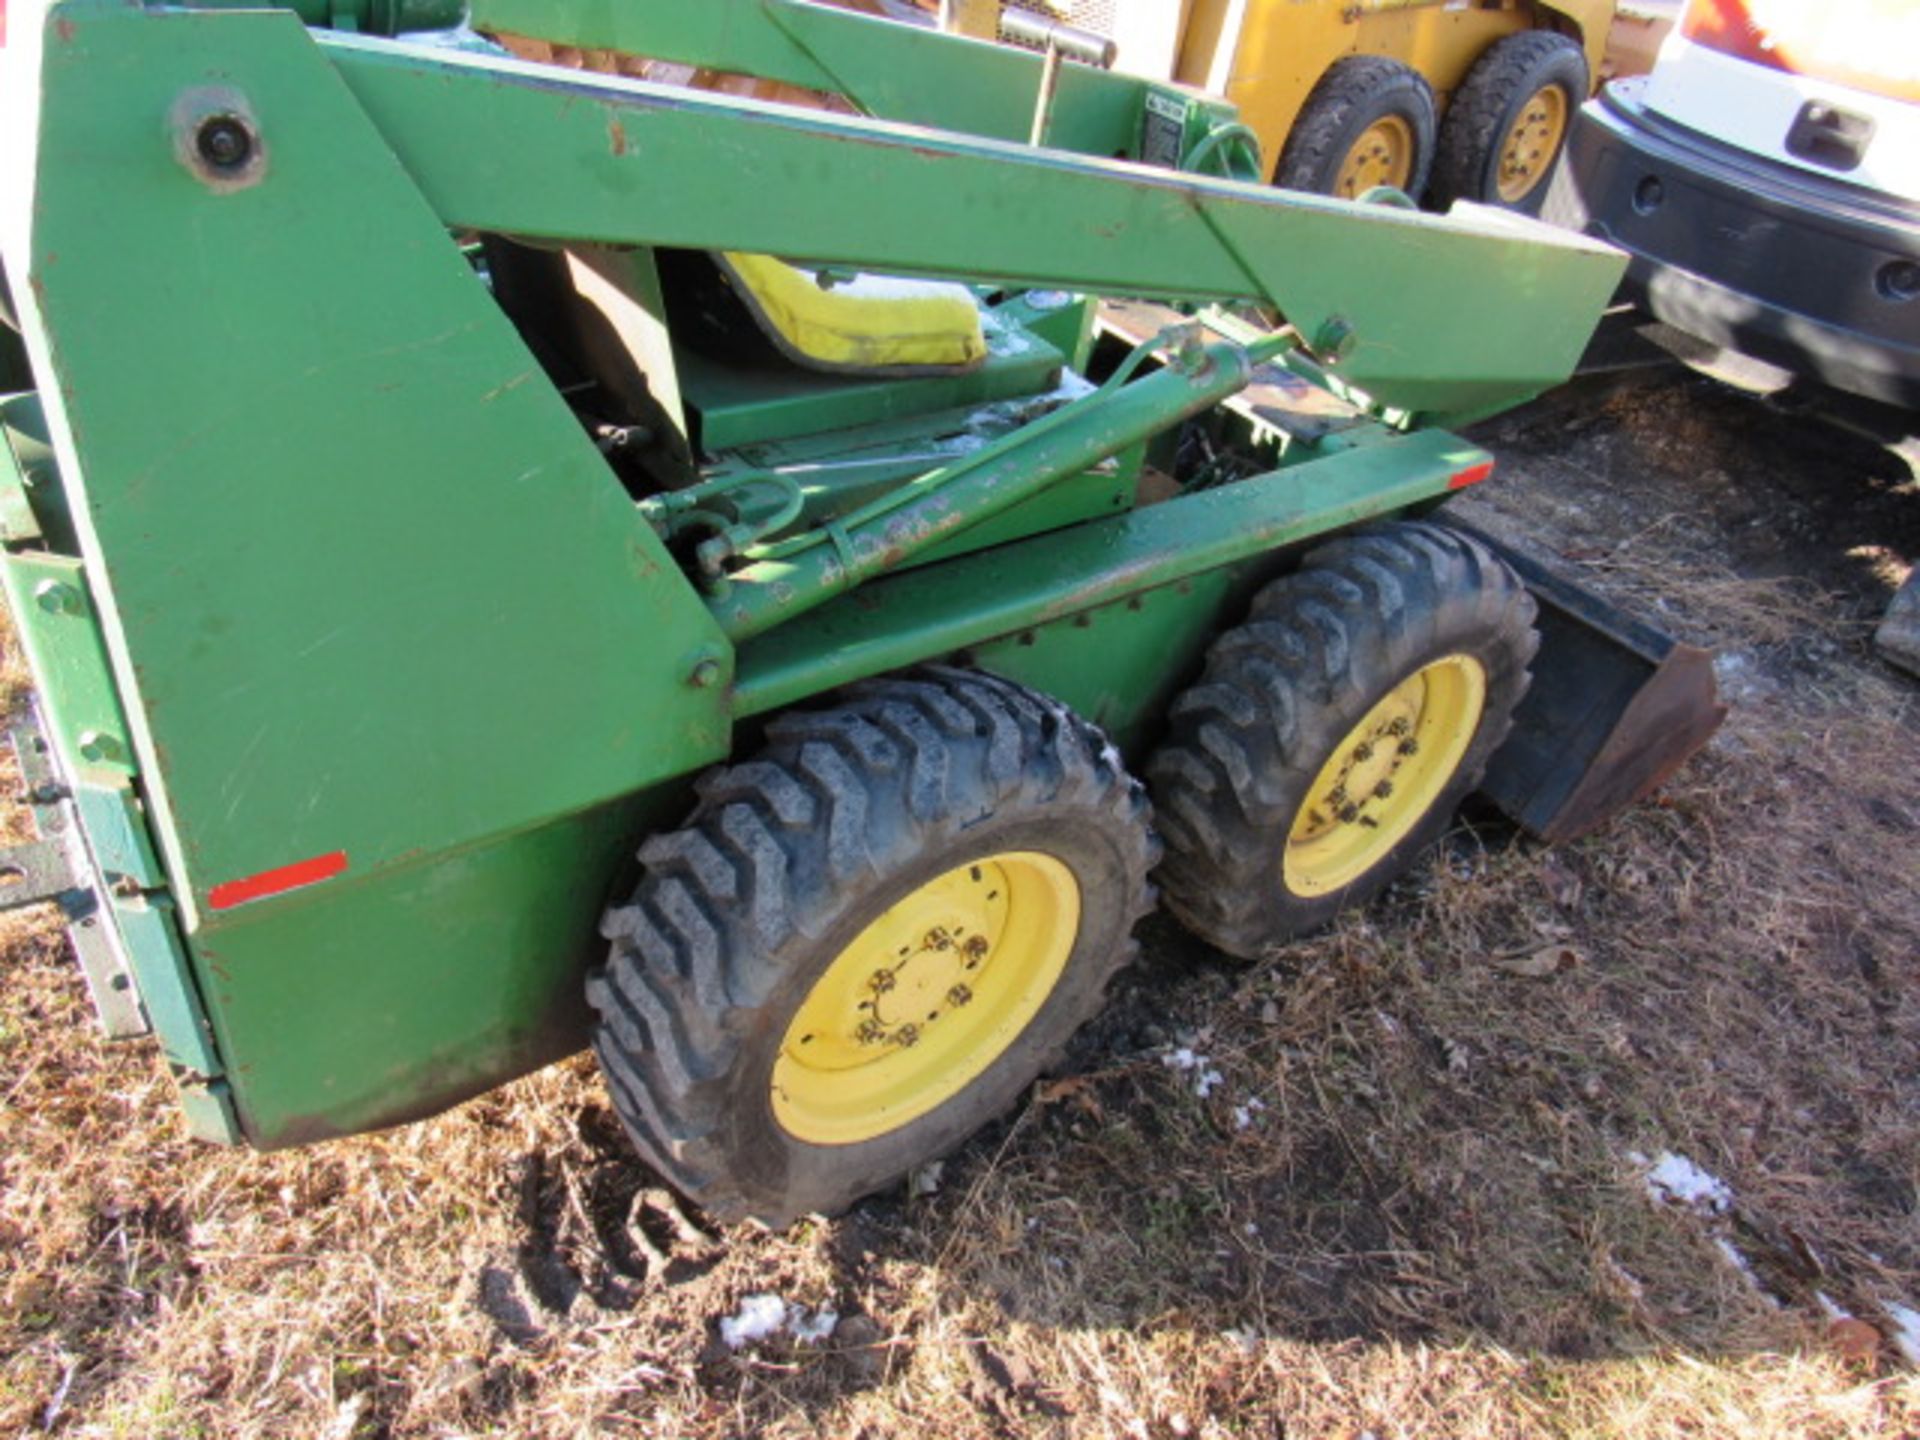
(1616, 1139)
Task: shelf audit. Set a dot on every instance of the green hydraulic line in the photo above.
(902, 495)
(1013, 470)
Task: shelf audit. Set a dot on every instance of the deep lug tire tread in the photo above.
(1279, 691)
(779, 852)
(1513, 68)
(1354, 93)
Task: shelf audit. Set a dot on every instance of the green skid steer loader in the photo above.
(422, 490)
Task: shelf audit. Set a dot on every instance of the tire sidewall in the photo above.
(804, 1176)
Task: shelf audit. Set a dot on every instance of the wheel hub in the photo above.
(1384, 775)
(926, 998)
(1383, 155)
(1531, 143)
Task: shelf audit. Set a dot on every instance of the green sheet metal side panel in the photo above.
(411, 991)
(1121, 664)
(347, 531)
(1443, 314)
(368, 591)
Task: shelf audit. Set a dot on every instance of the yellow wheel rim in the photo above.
(1383, 155)
(1526, 155)
(926, 998)
(1384, 775)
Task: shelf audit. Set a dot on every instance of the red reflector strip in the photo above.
(277, 882)
(1472, 475)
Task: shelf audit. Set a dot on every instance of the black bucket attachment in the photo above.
(1615, 708)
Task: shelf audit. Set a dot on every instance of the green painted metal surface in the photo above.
(883, 68)
(398, 672)
(1013, 589)
(842, 470)
(942, 505)
(741, 403)
(1445, 315)
(338, 1011)
(59, 629)
(362, 491)
(367, 588)
(116, 826)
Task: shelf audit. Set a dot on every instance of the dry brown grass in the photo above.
(1433, 1228)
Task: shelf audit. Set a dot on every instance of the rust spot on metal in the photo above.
(616, 135)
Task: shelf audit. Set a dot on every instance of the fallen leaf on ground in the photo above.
(1547, 960)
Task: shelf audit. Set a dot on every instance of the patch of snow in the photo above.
(1739, 677)
(763, 1316)
(1906, 1332)
(926, 1180)
(759, 1317)
(1833, 1311)
(1244, 1115)
(1676, 1179)
(1206, 1079)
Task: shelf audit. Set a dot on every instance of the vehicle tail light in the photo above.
(1871, 45)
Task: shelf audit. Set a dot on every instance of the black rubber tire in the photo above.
(1283, 688)
(1510, 73)
(786, 859)
(1356, 92)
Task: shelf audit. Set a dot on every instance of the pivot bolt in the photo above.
(1335, 340)
(224, 142)
(705, 675)
(97, 745)
(907, 1036)
(975, 949)
(880, 982)
(871, 1032)
(56, 597)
